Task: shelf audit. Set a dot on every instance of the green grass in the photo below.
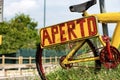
(85, 74)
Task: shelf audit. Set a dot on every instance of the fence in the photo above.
(29, 60)
(20, 65)
(19, 59)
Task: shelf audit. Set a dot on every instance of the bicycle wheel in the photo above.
(41, 68)
(39, 64)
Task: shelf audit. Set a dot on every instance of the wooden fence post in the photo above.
(56, 61)
(20, 62)
(43, 59)
(20, 59)
(3, 59)
(30, 60)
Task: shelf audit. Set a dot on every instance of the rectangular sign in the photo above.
(67, 31)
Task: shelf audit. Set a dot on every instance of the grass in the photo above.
(85, 74)
(82, 73)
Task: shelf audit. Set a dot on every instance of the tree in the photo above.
(19, 32)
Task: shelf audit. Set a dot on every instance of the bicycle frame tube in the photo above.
(101, 40)
(108, 17)
(84, 60)
(102, 18)
(71, 54)
(116, 36)
(111, 18)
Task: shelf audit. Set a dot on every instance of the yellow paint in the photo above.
(108, 17)
(102, 18)
(116, 36)
(111, 18)
(88, 25)
(81, 60)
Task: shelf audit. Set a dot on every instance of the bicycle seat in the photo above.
(82, 7)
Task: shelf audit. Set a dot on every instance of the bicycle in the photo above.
(81, 31)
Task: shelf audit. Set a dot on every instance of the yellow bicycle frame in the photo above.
(50, 34)
(111, 18)
(102, 18)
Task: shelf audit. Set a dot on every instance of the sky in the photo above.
(57, 11)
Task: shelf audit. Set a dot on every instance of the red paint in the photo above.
(66, 31)
(91, 21)
(54, 31)
(62, 32)
(106, 39)
(71, 28)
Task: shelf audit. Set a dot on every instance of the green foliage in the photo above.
(19, 32)
(84, 74)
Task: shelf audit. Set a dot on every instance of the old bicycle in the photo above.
(80, 32)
